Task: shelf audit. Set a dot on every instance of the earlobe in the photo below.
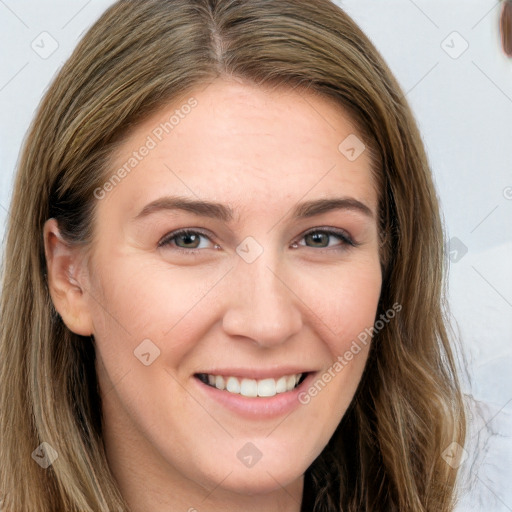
(65, 275)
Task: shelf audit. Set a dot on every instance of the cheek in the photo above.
(138, 300)
(343, 306)
(345, 302)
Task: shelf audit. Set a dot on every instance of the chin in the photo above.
(266, 476)
(253, 484)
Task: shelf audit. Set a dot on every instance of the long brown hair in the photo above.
(386, 453)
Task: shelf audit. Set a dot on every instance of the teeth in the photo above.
(233, 385)
(249, 387)
(253, 387)
(281, 385)
(290, 382)
(219, 382)
(267, 387)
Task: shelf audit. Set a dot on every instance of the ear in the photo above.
(66, 276)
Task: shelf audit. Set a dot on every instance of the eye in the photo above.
(186, 239)
(326, 238)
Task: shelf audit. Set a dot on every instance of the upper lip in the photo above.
(257, 373)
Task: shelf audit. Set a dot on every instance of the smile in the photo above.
(253, 387)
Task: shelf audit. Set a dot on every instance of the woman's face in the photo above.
(276, 275)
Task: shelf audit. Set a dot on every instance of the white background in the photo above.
(463, 104)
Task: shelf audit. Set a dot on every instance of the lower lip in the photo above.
(257, 407)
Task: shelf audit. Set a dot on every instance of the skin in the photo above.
(260, 152)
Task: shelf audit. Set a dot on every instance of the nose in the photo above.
(262, 305)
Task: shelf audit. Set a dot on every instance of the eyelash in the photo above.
(346, 240)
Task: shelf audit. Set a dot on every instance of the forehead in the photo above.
(241, 143)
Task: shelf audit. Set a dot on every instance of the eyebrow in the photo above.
(224, 213)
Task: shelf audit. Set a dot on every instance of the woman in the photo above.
(234, 298)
